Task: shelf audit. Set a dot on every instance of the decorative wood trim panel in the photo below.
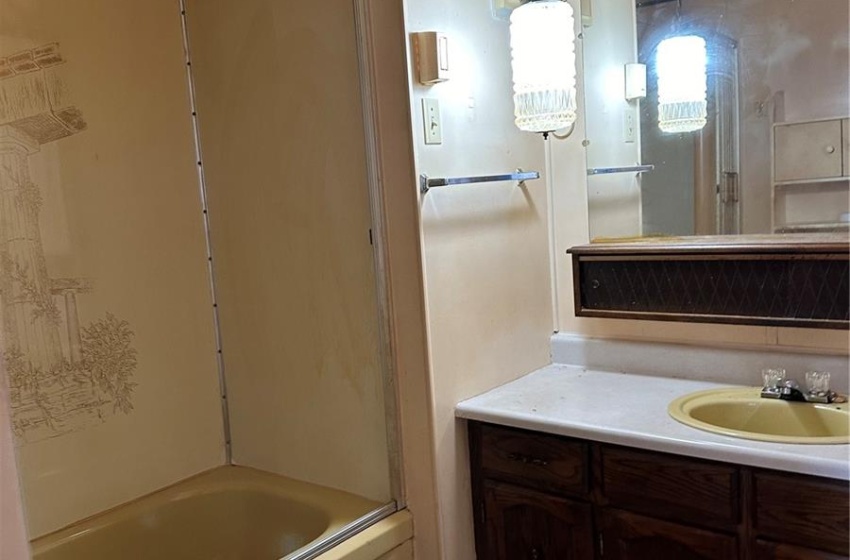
(785, 282)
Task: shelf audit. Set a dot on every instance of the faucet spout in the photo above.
(790, 391)
(817, 388)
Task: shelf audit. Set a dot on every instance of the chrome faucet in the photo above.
(817, 387)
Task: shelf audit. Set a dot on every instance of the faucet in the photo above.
(817, 388)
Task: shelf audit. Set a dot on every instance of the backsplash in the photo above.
(736, 366)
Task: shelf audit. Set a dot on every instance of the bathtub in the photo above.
(229, 513)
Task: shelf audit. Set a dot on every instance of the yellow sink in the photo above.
(741, 412)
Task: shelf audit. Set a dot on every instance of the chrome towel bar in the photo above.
(426, 183)
(630, 169)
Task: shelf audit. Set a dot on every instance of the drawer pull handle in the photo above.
(535, 555)
(524, 459)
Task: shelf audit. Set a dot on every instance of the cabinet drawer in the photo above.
(801, 510)
(691, 490)
(534, 459)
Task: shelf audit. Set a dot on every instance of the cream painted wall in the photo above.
(284, 150)
(485, 246)
(571, 228)
(120, 207)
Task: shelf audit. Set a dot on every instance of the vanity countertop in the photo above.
(631, 410)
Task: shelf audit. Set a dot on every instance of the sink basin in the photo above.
(741, 412)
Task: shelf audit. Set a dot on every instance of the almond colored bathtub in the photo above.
(229, 513)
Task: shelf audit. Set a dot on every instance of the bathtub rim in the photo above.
(321, 545)
(342, 509)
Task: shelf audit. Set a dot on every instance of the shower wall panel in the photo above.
(105, 311)
(283, 147)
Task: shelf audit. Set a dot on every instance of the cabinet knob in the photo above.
(535, 554)
(830, 149)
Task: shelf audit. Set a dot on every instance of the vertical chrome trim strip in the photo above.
(225, 409)
(365, 59)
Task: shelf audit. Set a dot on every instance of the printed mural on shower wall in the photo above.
(62, 375)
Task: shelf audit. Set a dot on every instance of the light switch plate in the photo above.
(431, 120)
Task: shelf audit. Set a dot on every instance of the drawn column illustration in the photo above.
(51, 393)
(68, 288)
(32, 113)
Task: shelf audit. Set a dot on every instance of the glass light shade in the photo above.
(543, 59)
(681, 67)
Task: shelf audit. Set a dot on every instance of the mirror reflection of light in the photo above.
(681, 67)
(544, 65)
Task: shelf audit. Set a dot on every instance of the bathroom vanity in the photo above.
(570, 464)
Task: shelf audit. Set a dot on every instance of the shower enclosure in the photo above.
(188, 274)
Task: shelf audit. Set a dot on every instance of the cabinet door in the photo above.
(626, 536)
(527, 525)
(775, 551)
(807, 151)
(802, 510)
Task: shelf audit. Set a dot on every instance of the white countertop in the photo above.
(631, 410)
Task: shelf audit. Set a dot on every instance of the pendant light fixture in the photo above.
(681, 65)
(543, 61)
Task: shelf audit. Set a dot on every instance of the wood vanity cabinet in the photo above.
(545, 497)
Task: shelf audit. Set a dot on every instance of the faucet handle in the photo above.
(773, 378)
(817, 382)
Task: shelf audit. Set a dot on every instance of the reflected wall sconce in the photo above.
(543, 60)
(681, 65)
(635, 79)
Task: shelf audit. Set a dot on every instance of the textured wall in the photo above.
(106, 326)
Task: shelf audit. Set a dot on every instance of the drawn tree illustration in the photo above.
(44, 306)
(25, 381)
(109, 359)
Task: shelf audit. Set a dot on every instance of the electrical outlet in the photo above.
(431, 120)
(629, 132)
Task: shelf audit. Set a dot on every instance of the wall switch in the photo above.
(629, 131)
(431, 120)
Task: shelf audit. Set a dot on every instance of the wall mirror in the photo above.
(744, 119)
(718, 191)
